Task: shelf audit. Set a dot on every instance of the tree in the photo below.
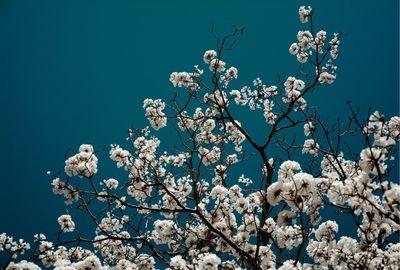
(193, 208)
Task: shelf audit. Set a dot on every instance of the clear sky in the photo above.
(75, 72)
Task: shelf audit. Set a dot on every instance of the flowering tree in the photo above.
(193, 208)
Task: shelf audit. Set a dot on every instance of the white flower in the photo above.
(154, 112)
(269, 225)
(58, 186)
(319, 40)
(274, 193)
(178, 263)
(292, 83)
(310, 146)
(89, 263)
(121, 156)
(145, 262)
(325, 77)
(304, 183)
(209, 262)
(268, 113)
(245, 180)
(209, 156)
(241, 205)
(219, 192)
(308, 128)
(231, 159)
(302, 57)
(111, 183)
(334, 45)
(124, 265)
(347, 245)
(163, 231)
(293, 49)
(217, 65)
(209, 125)
(286, 170)
(232, 72)
(209, 55)
(304, 13)
(45, 246)
(371, 159)
(285, 217)
(326, 230)
(86, 148)
(37, 237)
(394, 126)
(66, 223)
(235, 192)
(185, 79)
(82, 164)
(393, 195)
(22, 265)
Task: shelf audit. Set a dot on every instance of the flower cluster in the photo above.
(164, 230)
(385, 133)
(186, 79)
(7, 243)
(307, 43)
(304, 13)
(311, 147)
(209, 156)
(83, 164)
(154, 112)
(293, 94)
(260, 98)
(22, 265)
(121, 156)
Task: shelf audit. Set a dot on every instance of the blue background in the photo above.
(75, 72)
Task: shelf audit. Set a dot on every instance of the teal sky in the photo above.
(75, 72)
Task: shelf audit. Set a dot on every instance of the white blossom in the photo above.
(209, 262)
(217, 65)
(82, 164)
(154, 113)
(304, 13)
(310, 146)
(372, 160)
(308, 128)
(66, 223)
(209, 55)
(111, 183)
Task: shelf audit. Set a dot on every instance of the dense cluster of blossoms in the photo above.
(83, 164)
(304, 13)
(186, 79)
(187, 209)
(154, 112)
(307, 43)
(13, 247)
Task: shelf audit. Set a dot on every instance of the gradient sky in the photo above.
(75, 72)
